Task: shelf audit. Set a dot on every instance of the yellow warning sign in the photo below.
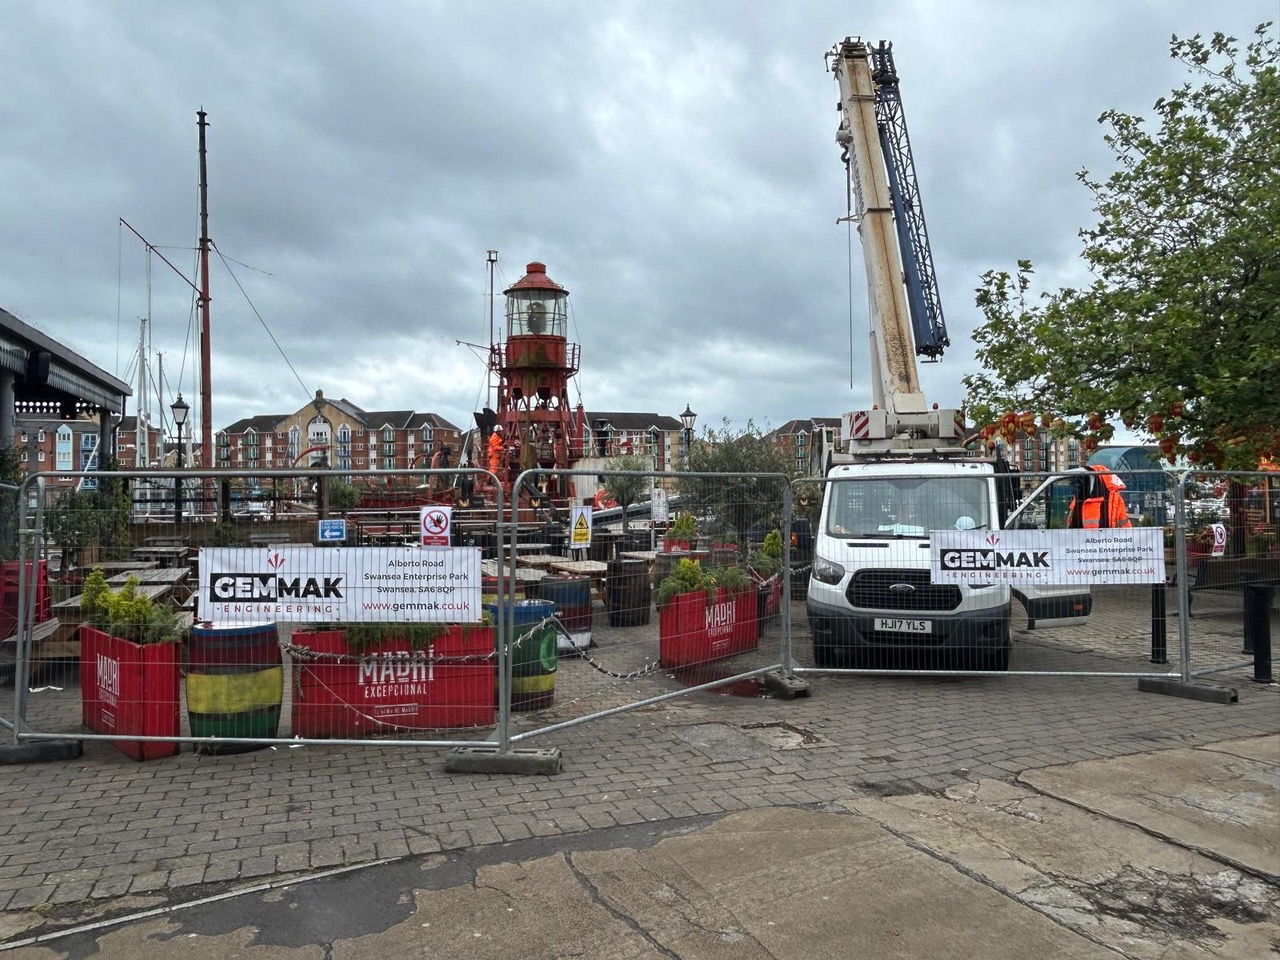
(580, 529)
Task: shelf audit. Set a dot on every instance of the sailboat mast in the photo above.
(491, 258)
(143, 418)
(206, 376)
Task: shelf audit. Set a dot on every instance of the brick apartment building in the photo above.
(336, 432)
(805, 443)
(615, 434)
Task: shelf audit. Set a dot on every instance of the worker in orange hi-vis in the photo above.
(495, 451)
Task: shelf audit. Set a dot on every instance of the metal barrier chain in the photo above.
(308, 654)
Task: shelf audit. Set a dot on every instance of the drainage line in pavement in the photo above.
(1272, 879)
(999, 888)
(174, 907)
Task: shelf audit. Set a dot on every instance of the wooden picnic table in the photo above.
(648, 555)
(71, 606)
(70, 615)
(532, 547)
(524, 575)
(538, 561)
(164, 555)
(162, 575)
(110, 567)
(580, 568)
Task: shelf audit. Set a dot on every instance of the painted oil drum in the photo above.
(628, 593)
(235, 682)
(572, 597)
(533, 654)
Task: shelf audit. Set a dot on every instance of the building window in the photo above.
(62, 459)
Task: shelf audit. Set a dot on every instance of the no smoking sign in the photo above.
(434, 524)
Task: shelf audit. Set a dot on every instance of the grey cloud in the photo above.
(673, 164)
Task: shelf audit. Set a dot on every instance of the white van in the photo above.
(870, 591)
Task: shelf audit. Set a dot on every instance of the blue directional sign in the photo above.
(333, 531)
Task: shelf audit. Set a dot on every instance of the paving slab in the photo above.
(1225, 804)
(1113, 883)
(774, 884)
(1262, 749)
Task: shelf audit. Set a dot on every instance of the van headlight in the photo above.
(827, 571)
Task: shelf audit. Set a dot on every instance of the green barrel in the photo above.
(235, 681)
(533, 655)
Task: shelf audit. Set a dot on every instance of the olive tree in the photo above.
(740, 502)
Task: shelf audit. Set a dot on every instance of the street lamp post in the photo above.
(180, 409)
(688, 418)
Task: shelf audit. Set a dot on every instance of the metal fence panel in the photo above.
(651, 608)
(293, 664)
(1232, 565)
(691, 582)
(872, 604)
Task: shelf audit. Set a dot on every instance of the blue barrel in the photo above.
(572, 597)
(533, 655)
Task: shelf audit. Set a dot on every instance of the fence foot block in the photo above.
(39, 751)
(786, 685)
(536, 762)
(1192, 691)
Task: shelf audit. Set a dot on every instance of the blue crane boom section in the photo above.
(921, 280)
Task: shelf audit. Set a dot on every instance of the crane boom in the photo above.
(906, 312)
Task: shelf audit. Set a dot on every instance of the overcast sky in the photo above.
(672, 163)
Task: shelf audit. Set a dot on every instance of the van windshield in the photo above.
(906, 506)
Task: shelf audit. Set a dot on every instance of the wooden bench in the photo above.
(269, 539)
(1230, 573)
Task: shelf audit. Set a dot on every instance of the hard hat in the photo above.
(497, 428)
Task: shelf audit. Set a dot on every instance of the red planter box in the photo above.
(130, 689)
(10, 570)
(670, 546)
(770, 595)
(691, 632)
(385, 691)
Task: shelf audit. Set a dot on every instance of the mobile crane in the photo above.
(900, 469)
(906, 310)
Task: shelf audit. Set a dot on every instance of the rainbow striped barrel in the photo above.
(235, 682)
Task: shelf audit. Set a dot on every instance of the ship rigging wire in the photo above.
(247, 300)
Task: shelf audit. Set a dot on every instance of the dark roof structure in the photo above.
(49, 377)
(265, 423)
(806, 424)
(634, 421)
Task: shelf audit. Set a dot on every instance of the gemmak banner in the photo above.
(1128, 555)
(339, 584)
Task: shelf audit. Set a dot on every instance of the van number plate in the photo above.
(899, 625)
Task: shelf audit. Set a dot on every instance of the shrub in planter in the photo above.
(682, 534)
(129, 667)
(705, 614)
(357, 679)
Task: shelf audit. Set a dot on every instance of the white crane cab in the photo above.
(870, 595)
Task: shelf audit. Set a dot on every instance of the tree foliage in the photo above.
(10, 478)
(626, 490)
(1178, 335)
(343, 496)
(736, 503)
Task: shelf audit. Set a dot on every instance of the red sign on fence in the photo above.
(435, 523)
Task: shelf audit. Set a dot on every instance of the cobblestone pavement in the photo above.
(104, 826)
